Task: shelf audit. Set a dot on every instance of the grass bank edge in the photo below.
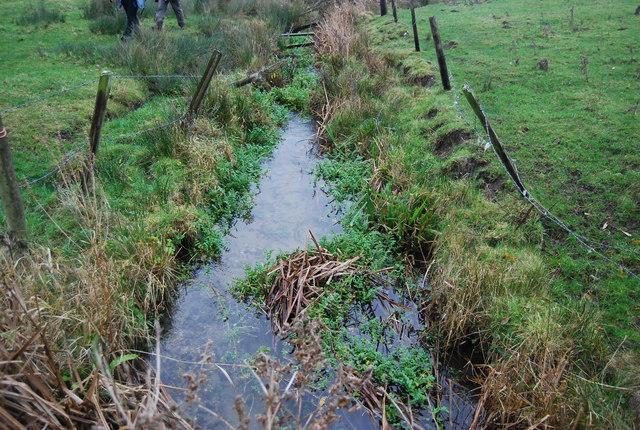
(490, 282)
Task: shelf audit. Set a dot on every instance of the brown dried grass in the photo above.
(301, 279)
(336, 35)
(41, 387)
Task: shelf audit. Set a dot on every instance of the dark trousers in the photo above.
(162, 12)
(131, 9)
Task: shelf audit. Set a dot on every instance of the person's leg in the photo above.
(161, 13)
(177, 8)
(131, 9)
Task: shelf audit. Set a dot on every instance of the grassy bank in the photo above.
(102, 268)
(555, 326)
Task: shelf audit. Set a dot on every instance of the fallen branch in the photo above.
(259, 76)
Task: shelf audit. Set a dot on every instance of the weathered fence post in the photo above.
(393, 9)
(383, 7)
(203, 86)
(416, 41)
(442, 62)
(99, 112)
(9, 191)
(495, 141)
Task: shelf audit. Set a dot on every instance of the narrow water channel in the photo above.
(210, 337)
(208, 324)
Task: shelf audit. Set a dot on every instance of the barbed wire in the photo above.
(48, 96)
(543, 210)
(56, 169)
(78, 149)
(84, 84)
(147, 130)
(155, 76)
(526, 193)
(167, 76)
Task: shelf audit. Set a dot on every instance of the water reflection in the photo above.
(208, 324)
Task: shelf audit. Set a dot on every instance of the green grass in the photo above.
(571, 130)
(502, 277)
(165, 197)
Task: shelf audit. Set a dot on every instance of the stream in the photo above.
(210, 337)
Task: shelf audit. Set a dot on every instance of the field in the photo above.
(571, 127)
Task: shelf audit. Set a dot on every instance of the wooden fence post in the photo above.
(416, 41)
(495, 141)
(393, 9)
(9, 191)
(99, 112)
(203, 86)
(442, 62)
(383, 7)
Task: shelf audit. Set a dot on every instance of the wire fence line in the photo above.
(56, 169)
(48, 96)
(79, 148)
(147, 130)
(84, 84)
(590, 244)
(156, 76)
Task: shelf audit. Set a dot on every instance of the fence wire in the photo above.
(147, 130)
(84, 84)
(78, 149)
(590, 244)
(56, 169)
(48, 96)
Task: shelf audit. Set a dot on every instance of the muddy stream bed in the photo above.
(210, 337)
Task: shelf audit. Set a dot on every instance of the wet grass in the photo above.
(571, 128)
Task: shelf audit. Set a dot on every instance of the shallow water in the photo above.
(211, 337)
(208, 322)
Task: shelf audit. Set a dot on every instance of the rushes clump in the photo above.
(41, 16)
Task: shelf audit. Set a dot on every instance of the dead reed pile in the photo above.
(302, 279)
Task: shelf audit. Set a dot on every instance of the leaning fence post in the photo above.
(383, 7)
(442, 62)
(203, 86)
(9, 191)
(495, 141)
(99, 113)
(393, 9)
(415, 28)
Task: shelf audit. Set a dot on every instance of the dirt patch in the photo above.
(424, 80)
(431, 114)
(446, 143)
(65, 135)
(543, 64)
(493, 188)
(464, 167)
(451, 45)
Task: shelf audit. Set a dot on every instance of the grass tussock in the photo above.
(41, 16)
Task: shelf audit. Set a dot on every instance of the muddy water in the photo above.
(209, 325)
